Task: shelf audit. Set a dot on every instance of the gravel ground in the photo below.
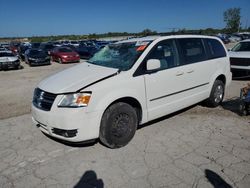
(17, 87)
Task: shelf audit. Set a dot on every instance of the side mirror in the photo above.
(153, 65)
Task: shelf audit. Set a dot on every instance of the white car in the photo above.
(130, 83)
(8, 60)
(240, 58)
(234, 38)
(74, 43)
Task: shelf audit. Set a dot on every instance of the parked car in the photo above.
(102, 44)
(36, 57)
(21, 50)
(70, 46)
(5, 45)
(90, 43)
(8, 60)
(240, 59)
(35, 45)
(224, 39)
(130, 83)
(234, 38)
(14, 47)
(57, 44)
(74, 43)
(47, 47)
(66, 42)
(86, 52)
(64, 55)
(3, 48)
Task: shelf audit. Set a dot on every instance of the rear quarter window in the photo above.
(215, 49)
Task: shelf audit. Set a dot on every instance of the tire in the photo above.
(18, 67)
(59, 60)
(118, 125)
(216, 95)
(242, 109)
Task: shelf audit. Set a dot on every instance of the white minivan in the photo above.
(129, 83)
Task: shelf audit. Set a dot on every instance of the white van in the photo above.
(130, 83)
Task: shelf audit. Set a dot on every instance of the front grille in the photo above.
(240, 61)
(43, 100)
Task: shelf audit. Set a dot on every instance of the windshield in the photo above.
(241, 47)
(7, 54)
(65, 50)
(121, 55)
(37, 53)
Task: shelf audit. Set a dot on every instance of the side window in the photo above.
(215, 49)
(165, 51)
(192, 50)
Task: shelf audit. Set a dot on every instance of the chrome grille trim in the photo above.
(43, 100)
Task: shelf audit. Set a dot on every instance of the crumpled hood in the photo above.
(8, 59)
(239, 54)
(75, 78)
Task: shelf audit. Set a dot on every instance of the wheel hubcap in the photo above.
(218, 94)
(120, 125)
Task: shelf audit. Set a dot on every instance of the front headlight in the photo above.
(32, 59)
(75, 100)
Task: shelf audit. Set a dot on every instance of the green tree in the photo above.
(147, 32)
(93, 36)
(232, 19)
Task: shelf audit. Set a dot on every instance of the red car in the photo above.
(64, 55)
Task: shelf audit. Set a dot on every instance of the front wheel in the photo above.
(242, 109)
(118, 125)
(216, 95)
(60, 61)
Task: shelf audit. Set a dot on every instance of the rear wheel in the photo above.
(18, 67)
(242, 109)
(216, 95)
(118, 125)
(60, 60)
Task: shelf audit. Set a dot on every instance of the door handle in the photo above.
(179, 73)
(190, 71)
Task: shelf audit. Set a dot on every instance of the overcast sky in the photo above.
(58, 17)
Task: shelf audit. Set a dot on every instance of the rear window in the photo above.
(215, 49)
(65, 50)
(37, 52)
(192, 50)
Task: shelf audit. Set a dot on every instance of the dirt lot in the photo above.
(17, 87)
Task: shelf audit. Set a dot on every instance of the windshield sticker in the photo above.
(141, 48)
